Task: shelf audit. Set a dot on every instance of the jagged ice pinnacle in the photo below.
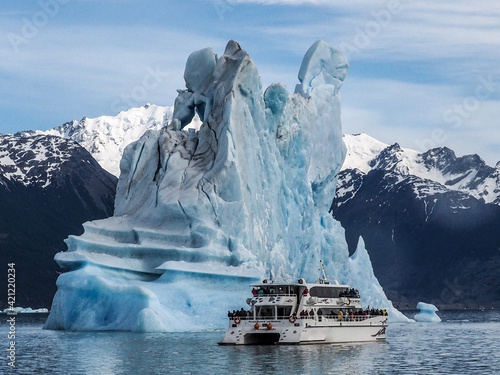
(201, 214)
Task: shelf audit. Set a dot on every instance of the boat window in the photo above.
(284, 311)
(324, 292)
(276, 290)
(328, 312)
(265, 311)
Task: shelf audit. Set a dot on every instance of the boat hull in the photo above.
(305, 331)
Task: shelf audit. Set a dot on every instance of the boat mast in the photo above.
(322, 269)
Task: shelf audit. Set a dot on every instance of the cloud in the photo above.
(415, 30)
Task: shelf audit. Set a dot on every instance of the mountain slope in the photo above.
(425, 219)
(49, 186)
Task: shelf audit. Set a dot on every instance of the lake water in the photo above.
(465, 342)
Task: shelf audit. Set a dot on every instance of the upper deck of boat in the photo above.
(319, 289)
(300, 283)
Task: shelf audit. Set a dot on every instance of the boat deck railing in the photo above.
(350, 318)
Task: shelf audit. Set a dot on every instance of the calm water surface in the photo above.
(464, 343)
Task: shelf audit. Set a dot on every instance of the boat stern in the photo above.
(259, 332)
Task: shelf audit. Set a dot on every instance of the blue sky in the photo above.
(422, 73)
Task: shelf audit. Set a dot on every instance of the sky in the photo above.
(422, 73)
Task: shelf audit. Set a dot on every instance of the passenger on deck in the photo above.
(254, 292)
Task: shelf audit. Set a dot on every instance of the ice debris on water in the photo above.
(427, 313)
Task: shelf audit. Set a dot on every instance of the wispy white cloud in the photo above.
(450, 41)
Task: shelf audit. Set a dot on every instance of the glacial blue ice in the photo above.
(201, 215)
(427, 313)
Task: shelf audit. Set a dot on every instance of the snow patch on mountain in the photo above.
(33, 161)
(361, 149)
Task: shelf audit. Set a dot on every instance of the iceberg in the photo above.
(427, 313)
(201, 214)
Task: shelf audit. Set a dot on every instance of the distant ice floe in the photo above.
(427, 313)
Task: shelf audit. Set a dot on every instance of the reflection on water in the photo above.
(464, 343)
(308, 359)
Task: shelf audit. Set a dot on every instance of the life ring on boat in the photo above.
(237, 319)
(292, 319)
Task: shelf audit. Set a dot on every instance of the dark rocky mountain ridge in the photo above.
(49, 186)
(434, 241)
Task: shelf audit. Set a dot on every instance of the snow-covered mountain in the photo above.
(106, 137)
(199, 214)
(49, 186)
(429, 220)
(468, 174)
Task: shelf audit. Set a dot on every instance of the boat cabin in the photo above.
(283, 300)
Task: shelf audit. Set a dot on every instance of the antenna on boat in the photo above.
(324, 280)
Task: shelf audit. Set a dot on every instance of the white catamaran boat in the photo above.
(303, 313)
